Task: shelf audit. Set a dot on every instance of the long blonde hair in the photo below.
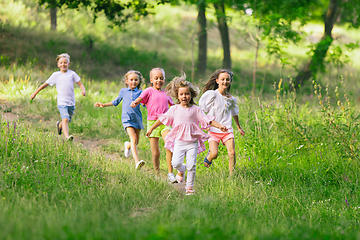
(133, 72)
(172, 88)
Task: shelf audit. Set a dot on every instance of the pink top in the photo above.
(157, 102)
(185, 123)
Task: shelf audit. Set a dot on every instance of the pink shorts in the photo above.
(220, 136)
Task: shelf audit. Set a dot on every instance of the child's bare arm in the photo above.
(219, 126)
(98, 104)
(32, 96)
(82, 88)
(236, 119)
(156, 124)
(136, 102)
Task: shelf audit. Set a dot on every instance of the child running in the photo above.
(186, 138)
(217, 102)
(157, 102)
(131, 117)
(64, 81)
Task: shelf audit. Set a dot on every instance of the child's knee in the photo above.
(156, 155)
(191, 168)
(231, 153)
(214, 155)
(66, 120)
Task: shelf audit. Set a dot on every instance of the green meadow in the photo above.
(297, 169)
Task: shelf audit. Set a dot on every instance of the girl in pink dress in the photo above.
(186, 138)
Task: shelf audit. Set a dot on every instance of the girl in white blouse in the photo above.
(217, 101)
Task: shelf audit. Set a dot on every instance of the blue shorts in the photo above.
(66, 111)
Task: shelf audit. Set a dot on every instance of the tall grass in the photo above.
(295, 177)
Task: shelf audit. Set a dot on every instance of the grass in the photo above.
(297, 166)
(296, 175)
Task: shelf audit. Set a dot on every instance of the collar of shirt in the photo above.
(135, 89)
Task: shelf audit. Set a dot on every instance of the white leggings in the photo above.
(190, 150)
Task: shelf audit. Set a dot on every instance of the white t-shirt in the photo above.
(219, 106)
(64, 83)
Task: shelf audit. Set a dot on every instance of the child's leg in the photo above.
(178, 156)
(155, 151)
(64, 125)
(230, 145)
(134, 135)
(192, 151)
(169, 154)
(213, 145)
(66, 113)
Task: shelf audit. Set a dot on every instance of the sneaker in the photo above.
(179, 178)
(140, 164)
(189, 191)
(58, 127)
(127, 151)
(70, 138)
(171, 178)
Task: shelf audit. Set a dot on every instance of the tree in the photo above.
(117, 12)
(224, 32)
(202, 38)
(274, 24)
(347, 11)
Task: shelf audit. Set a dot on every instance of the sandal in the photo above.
(208, 162)
(189, 191)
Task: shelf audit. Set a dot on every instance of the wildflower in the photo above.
(249, 96)
(347, 202)
(249, 158)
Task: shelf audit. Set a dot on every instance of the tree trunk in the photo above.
(202, 36)
(317, 60)
(224, 32)
(53, 20)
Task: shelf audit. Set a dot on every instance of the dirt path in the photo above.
(91, 145)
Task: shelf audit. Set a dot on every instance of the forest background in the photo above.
(296, 70)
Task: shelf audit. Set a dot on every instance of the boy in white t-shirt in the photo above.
(64, 81)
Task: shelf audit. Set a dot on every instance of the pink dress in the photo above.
(185, 123)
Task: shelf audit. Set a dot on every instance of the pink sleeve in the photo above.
(170, 101)
(144, 96)
(204, 120)
(168, 117)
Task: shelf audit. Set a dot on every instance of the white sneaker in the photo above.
(70, 138)
(140, 164)
(171, 178)
(127, 151)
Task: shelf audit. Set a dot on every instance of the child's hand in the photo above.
(32, 96)
(133, 104)
(241, 131)
(98, 104)
(148, 133)
(83, 93)
(223, 128)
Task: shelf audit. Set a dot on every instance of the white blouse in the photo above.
(219, 106)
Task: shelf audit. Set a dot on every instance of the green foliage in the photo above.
(117, 12)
